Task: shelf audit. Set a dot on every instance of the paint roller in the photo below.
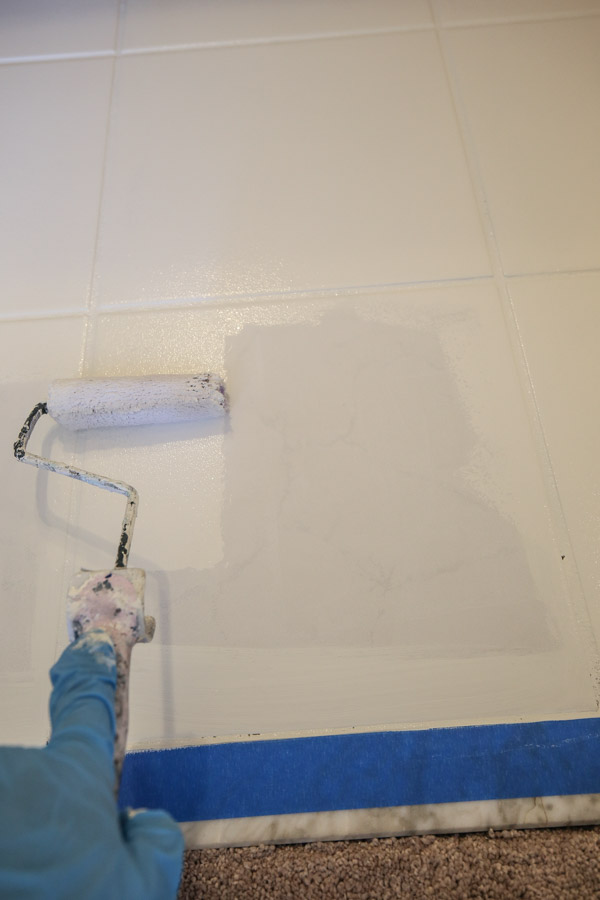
(114, 600)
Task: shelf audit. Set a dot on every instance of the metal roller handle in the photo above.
(109, 484)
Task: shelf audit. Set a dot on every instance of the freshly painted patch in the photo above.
(361, 505)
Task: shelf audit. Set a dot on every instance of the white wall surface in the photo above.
(380, 222)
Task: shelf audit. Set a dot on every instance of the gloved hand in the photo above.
(61, 835)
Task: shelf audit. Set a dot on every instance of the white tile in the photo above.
(34, 522)
(559, 321)
(314, 164)
(466, 11)
(38, 28)
(51, 153)
(147, 24)
(41, 349)
(532, 100)
(367, 542)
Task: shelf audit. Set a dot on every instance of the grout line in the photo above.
(227, 300)
(471, 159)
(232, 43)
(41, 315)
(560, 527)
(291, 38)
(56, 57)
(511, 276)
(212, 45)
(89, 330)
(518, 20)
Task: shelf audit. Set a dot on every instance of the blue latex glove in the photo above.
(61, 834)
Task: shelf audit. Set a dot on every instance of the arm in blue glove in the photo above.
(61, 835)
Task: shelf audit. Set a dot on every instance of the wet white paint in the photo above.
(350, 514)
(82, 404)
(379, 535)
(367, 540)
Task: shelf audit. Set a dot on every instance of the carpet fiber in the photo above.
(535, 865)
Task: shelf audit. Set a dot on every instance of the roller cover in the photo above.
(142, 400)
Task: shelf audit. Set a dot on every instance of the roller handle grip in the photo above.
(114, 601)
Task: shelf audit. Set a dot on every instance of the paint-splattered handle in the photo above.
(113, 601)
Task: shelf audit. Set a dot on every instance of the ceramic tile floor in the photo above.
(380, 222)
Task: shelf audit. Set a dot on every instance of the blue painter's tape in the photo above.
(356, 771)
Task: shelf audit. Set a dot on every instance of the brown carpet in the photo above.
(535, 865)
